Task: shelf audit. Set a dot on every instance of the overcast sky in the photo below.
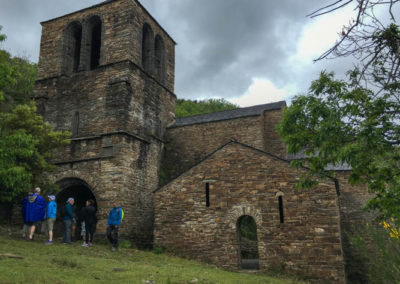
(246, 51)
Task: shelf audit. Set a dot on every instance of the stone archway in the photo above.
(81, 192)
(248, 243)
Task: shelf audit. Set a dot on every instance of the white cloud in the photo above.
(261, 91)
(320, 34)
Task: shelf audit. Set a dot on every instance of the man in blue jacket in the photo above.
(68, 218)
(51, 215)
(33, 211)
(113, 222)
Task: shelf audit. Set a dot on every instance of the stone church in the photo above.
(106, 74)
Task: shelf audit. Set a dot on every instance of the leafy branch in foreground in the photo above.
(26, 147)
(372, 40)
(342, 122)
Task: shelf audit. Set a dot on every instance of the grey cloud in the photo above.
(222, 44)
(227, 43)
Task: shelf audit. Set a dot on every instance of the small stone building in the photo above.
(198, 214)
(106, 74)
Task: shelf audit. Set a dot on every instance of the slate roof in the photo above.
(329, 167)
(228, 114)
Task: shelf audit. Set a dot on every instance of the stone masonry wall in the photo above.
(122, 20)
(273, 143)
(117, 113)
(353, 223)
(188, 145)
(125, 173)
(245, 181)
(112, 98)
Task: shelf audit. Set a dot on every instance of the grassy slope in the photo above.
(60, 263)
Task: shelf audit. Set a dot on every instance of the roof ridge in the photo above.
(239, 108)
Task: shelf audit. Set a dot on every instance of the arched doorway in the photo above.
(81, 192)
(248, 244)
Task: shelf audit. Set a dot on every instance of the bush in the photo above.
(382, 249)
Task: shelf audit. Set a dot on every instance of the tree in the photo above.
(17, 79)
(26, 141)
(354, 121)
(372, 41)
(26, 147)
(185, 108)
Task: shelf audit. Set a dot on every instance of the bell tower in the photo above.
(106, 74)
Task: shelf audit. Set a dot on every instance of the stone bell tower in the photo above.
(106, 74)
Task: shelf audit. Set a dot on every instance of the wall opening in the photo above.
(248, 244)
(281, 217)
(95, 41)
(159, 59)
(81, 192)
(207, 194)
(72, 47)
(147, 48)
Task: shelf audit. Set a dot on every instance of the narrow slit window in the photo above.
(75, 124)
(281, 217)
(207, 194)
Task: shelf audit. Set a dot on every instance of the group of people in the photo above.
(35, 210)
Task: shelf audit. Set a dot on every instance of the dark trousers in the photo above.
(112, 235)
(89, 227)
(67, 231)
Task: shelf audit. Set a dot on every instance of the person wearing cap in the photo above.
(51, 214)
(33, 211)
(68, 219)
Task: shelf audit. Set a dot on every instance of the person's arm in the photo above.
(119, 216)
(69, 211)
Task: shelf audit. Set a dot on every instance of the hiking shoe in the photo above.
(49, 243)
(85, 245)
(90, 244)
(114, 249)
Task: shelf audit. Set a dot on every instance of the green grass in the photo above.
(60, 263)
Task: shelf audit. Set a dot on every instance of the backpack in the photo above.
(122, 215)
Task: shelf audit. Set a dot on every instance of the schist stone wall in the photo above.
(245, 181)
(106, 74)
(354, 220)
(191, 139)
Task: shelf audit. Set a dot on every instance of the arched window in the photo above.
(72, 48)
(147, 48)
(159, 59)
(94, 41)
(248, 244)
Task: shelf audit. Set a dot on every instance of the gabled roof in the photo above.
(228, 114)
(261, 152)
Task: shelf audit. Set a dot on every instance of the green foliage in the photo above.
(383, 254)
(185, 108)
(26, 141)
(342, 122)
(26, 146)
(17, 79)
(248, 228)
